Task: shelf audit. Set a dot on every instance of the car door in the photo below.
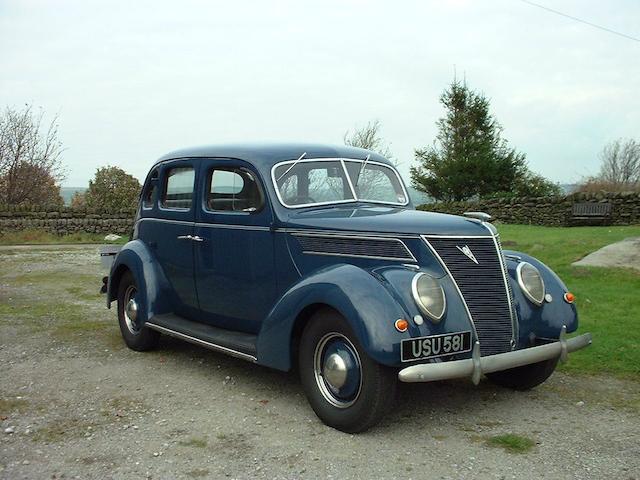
(235, 277)
(172, 233)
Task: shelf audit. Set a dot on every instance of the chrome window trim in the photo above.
(418, 300)
(524, 289)
(411, 257)
(346, 173)
(455, 284)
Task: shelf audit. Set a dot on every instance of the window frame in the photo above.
(231, 168)
(342, 161)
(151, 184)
(165, 183)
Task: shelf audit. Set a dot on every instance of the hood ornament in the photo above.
(467, 251)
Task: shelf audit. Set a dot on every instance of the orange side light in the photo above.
(402, 325)
(569, 297)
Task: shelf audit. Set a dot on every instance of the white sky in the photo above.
(133, 80)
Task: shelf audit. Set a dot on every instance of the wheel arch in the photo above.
(365, 303)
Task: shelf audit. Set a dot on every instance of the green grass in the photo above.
(195, 442)
(511, 443)
(608, 299)
(42, 237)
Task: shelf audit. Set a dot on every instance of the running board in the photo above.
(237, 344)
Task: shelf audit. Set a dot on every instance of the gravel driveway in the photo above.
(75, 403)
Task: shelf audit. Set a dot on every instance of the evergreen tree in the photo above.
(469, 157)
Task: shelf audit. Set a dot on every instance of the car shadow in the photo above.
(414, 402)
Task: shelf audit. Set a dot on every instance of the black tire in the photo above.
(525, 377)
(139, 338)
(377, 388)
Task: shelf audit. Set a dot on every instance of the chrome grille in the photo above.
(383, 248)
(483, 287)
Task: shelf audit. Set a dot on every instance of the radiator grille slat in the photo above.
(482, 286)
(392, 249)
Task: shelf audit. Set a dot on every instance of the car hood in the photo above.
(381, 219)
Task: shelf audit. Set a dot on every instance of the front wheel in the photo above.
(525, 377)
(135, 334)
(346, 389)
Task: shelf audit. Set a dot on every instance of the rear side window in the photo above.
(233, 190)
(178, 192)
(149, 193)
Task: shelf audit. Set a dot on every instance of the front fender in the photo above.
(368, 307)
(547, 320)
(154, 290)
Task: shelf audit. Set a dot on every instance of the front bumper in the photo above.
(476, 366)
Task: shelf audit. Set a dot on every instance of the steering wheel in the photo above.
(300, 200)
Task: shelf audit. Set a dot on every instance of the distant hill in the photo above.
(67, 193)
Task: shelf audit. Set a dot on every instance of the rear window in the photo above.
(233, 190)
(178, 192)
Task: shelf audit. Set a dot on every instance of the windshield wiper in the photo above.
(292, 165)
(364, 164)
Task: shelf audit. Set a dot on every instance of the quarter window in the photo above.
(179, 188)
(233, 190)
(147, 199)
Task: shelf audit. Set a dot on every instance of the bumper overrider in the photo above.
(476, 366)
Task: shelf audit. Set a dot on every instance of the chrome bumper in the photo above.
(475, 366)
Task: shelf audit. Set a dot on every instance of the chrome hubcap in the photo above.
(131, 310)
(337, 370)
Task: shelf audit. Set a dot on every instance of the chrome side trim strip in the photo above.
(410, 256)
(457, 236)
(453, 280)
(203, 343)
(347, 234)
(476, 366)
(212, 225)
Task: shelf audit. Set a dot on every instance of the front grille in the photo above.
(391, 248)
(482, 286)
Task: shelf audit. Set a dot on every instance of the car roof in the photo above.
(266, 155)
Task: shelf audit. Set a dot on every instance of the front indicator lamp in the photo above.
(531, 282)
(429, 296)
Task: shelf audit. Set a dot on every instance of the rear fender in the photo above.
(154, 291)
(368, 307)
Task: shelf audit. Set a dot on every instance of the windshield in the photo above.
(305, 183)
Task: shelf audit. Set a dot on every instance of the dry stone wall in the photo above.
(65, 220)
(550, 211)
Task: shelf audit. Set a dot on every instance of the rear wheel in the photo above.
(346, 389)
(135, 334)
(525, 377)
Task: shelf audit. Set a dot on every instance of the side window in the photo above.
(178, 191)
(233, 190)
(152, 186)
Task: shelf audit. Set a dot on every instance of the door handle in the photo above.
(193, 238)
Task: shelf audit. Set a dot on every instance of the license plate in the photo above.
(434, 346)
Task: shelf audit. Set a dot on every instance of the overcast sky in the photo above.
(133, 80)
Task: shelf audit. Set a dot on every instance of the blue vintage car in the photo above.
(313, 256)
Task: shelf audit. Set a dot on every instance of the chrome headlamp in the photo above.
(429, 296)
(531, 282)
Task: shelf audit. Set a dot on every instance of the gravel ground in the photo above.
(75, 403)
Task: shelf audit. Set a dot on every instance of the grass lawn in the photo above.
(41, 237)
(608, 299)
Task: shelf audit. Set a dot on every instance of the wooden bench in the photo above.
(591, 213)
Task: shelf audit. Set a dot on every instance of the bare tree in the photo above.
(369, 137)
(621, 164)
(30, 163)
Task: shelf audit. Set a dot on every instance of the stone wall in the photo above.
(65, 220)
(551, 211)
